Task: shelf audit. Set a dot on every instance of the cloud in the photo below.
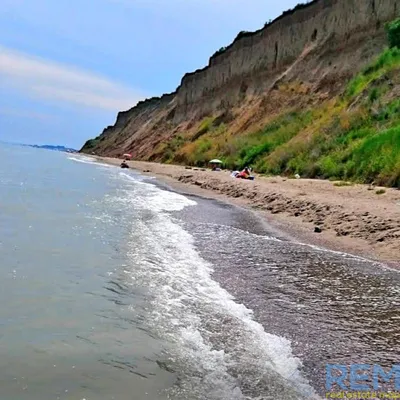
(46, 79)
(26, 114)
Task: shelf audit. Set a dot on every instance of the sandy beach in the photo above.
(358, 219)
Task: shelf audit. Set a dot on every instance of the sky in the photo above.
(68, 66)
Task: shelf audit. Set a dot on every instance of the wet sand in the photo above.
(353, 219)
(332, 307)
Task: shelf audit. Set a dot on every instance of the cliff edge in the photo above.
(300, 61)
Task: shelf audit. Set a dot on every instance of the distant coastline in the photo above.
(51, 147)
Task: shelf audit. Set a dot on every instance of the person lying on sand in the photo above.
(245, 174)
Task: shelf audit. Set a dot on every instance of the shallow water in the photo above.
(114, 287)
(334, 308)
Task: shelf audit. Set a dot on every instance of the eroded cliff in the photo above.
(302, 59)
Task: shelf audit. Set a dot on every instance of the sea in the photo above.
(114, 286)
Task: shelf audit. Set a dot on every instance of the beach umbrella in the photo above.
(215, 161)
(127, 155)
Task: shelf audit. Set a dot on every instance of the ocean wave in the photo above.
(217, 348)
(88, 160)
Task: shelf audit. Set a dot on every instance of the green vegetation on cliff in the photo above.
(318, 126)
(91, 143)
(355, 136)
(393, 31)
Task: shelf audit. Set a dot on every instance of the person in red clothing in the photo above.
(245, 174)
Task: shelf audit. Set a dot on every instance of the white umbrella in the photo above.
(215, 161)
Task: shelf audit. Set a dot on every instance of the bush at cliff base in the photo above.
(393, 31)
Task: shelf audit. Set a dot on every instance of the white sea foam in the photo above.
(156, 199)
(215, 338)
(88, 160)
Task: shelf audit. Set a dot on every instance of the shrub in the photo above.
(218, 52)
(167, 156)
(205, 125)
(91, 143)
(393, 33)
(243, 34)
(251, 154)
(204, 146)
(343, 183)
(377, 157)
(373, 95)
(296, 8)
(330, 167)
(269, 22)
(170, 148)
(390, 111)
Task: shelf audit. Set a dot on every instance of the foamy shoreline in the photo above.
(353, 219)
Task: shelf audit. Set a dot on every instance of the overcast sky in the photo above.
(68, 66)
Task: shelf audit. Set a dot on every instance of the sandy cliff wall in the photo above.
(252, 63)
(131, 125)
(322, 44)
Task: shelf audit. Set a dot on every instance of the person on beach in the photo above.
(245, 174)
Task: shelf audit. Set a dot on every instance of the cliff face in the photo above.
(133, 126)
(319, 46)
(328, 29)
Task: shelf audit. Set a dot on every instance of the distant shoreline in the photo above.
(353, 219)
(51, 147)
